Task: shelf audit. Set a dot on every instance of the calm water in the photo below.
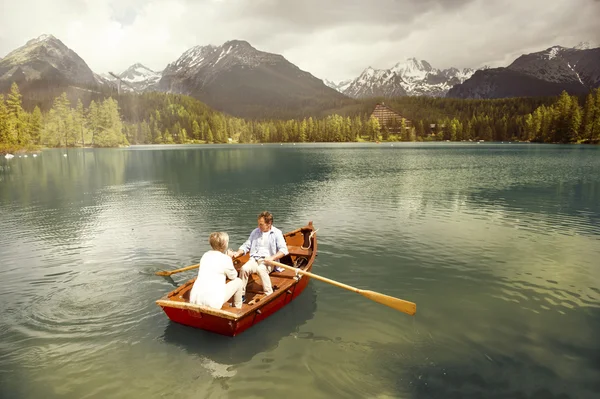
(498, 244)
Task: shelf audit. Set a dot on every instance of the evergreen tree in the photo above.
(302, 134)
(5, 136)
(595, 131)
(183, 135)
(588, 117)
(94, 121)
(374, 128)
(80, 132)
(36, 125)
(196, 130)
(574, 122)
(16, 118)
(145, 132)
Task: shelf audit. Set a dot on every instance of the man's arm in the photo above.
(277, 256)
(245, 247)
(281, 247)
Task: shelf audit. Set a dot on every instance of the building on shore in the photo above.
(390, 119)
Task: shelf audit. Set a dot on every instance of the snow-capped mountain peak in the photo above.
(583, 46)
(456, 73)
(559, 65)
(412, 68)
(42, 38)
(237, 73)
(237, 43)
(43, 46)
(45, 57)
(230, 53)
(552, 52)
(341, 86)
(408, 77)
(542, 73)
(193, 56)
(139, 73)
(136, 78)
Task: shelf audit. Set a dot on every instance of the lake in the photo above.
(498, 244)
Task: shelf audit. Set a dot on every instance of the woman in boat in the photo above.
(210, 288)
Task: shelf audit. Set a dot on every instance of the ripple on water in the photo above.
(75, 315)
(550, 296)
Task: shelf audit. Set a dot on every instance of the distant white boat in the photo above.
(34, 155)
(64, 155)
(9, 156)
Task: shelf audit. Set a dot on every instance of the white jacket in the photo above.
(209, 287)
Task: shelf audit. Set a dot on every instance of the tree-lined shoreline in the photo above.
(161, 118)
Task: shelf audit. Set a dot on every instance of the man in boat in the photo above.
(266, 242)
(210, 288)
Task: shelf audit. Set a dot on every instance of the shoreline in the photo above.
(38, 150)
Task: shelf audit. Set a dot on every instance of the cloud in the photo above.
(336, 39)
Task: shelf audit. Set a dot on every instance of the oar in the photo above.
(395, 303)
(183, 269)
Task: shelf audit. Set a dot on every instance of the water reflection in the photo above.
(496, 245)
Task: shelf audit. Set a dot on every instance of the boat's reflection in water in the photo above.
(261, 337)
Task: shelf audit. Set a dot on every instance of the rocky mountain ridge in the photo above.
(410, 77)
(543, 73)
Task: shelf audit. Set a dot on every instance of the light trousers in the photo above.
(252, 266)
(234, 289)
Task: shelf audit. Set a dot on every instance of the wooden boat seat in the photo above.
(299, 251)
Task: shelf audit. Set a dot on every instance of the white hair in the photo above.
(219, 241)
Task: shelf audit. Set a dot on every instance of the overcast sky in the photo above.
(335, 39)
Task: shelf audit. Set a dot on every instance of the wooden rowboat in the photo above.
(287, 285)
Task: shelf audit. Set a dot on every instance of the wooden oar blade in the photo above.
(163, 273)
(395, 303)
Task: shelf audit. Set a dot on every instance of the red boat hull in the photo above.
(232, 328)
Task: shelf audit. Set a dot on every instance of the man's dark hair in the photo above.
(266, 215)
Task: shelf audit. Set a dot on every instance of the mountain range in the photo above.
(408, 78)
(241, 80)
(543, 73)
